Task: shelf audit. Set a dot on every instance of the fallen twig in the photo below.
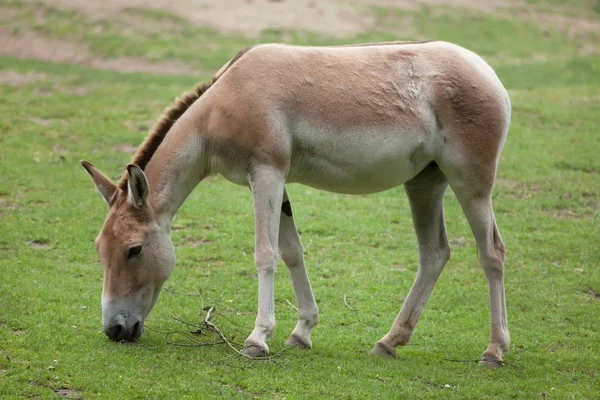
(464, 361)
(197, 294)
(194, 345)
(477, 361)
(195, 325)
(208, 325)
(351, 308)
(206, 319)
(291, 305)
(215, 329)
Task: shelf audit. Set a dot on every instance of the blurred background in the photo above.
(196, 37)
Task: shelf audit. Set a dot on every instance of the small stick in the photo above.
(291, 305)
(351, 308)
(184, 294)
(477, 361)
(282, 350)
(194, 345)
(187, 323)
(215, 329)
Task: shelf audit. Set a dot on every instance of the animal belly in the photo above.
(357, 163)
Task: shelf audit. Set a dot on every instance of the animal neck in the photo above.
(178, 165)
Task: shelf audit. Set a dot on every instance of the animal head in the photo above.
(136, 253)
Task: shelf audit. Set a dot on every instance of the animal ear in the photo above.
(104, 185)
(137, 186)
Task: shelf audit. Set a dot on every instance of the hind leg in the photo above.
(426, 195)
(473, 191)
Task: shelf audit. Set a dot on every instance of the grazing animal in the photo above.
(349, 119)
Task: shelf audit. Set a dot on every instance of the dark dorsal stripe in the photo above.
(388, 43)
(144, 153)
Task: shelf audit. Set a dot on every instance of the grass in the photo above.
(547, 204)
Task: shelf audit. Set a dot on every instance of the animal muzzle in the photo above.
(120, 328)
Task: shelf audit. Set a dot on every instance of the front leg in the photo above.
(293, 256)
(267, 185)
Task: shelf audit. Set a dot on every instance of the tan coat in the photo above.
(350, 119)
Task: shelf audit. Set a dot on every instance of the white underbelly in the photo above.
(364, 161)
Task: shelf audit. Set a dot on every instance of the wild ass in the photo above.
(349, 119)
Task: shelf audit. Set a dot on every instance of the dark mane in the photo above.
(156, 136)
(171, 114)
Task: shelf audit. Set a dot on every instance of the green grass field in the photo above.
(547, 203)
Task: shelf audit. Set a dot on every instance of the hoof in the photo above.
(255, 350)
(300, 342)
(491, 361)
(381, 349)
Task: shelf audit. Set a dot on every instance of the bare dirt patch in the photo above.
(486, 5)
(41, 121)
(6, 204)
(8, 13)
(195, 242)
(68, 393)
(580, 29)
(332, 17)
(517, 189)
(584, 100)
(565, 213)
(341, 18)
(79, 90)
(39, 244)
(32, 45)
(571, 24)
(15, 78)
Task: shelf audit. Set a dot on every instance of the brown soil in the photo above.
(565, 213)
(331, 17)
(32, 45)
(14, 78)
(39, 244)
(68, 393)
(249, 17)
(195, 242)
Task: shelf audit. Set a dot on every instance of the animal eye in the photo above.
(134, 251)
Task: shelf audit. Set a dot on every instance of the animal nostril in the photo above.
(137, 330)
(116, 332)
